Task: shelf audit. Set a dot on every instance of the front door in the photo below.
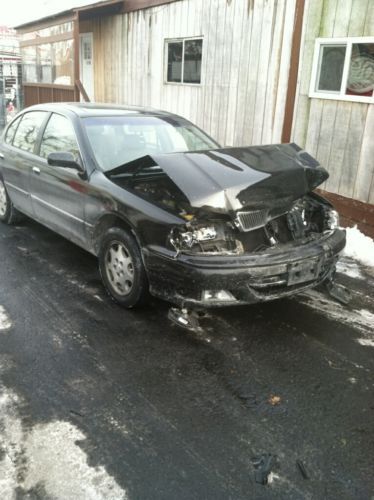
(59, 194)
(86, 64)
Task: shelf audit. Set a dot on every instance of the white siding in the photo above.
(245, 64)
(339, 134)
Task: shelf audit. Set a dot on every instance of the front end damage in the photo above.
(251, 229)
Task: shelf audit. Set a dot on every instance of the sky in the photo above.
(16, 12)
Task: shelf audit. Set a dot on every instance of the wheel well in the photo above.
(105, 223)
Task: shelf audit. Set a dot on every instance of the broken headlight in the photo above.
(199, 238)
(185, 239)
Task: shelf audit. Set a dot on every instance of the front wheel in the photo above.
(122, 269)
(8, 213)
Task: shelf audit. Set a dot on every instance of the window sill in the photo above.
(341, 97)
(182, 84)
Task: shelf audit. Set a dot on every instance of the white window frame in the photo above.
(181, 39)
(339, 95)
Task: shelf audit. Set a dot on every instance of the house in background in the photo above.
(246, 71)
(10, 75)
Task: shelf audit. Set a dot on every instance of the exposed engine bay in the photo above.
(304, 221)
(208, 232)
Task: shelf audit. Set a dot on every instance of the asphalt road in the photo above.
(100, 402)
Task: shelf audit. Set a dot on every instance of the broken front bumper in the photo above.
(195, 281)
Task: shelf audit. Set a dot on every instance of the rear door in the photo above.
(59, 194)
(18, 157)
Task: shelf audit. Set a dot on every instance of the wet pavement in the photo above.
(100, 402)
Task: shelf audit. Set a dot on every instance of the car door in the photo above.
(59, 194)
(18, 157)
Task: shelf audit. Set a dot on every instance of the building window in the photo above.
(183, 58)
(48, 55)
(49, 63)
(343, 69)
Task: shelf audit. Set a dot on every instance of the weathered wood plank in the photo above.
(241, 92)
(358, 17)
(267, 38)
(343, 14)
(281, 74)
(328, 18)
(226, 71)
(352, 149)
(325, 137)
(364, 188)
(369, 20)
(339, 134)
(236, 55)
(314, 125)
(300, 122)
(249, 110)
(217, 63)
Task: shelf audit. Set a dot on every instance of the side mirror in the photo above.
(64, 160)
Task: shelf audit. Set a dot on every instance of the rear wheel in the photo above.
(8, 213)
(122, 269)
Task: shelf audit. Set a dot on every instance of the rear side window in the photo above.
(28, 129)
(58, 136)
(11, 130)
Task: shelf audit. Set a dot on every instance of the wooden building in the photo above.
(246, 71)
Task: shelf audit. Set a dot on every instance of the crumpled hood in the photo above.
(229, 179)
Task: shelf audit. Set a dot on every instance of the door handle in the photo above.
(36, 170)
(1, 156)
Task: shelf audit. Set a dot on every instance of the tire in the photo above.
(8, 213)
(122, 269)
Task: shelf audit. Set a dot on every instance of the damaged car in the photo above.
(167, 211)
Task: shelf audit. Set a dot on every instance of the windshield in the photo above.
(117, 140)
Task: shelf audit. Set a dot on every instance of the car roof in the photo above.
(97, 109)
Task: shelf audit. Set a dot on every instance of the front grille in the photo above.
(247, 221)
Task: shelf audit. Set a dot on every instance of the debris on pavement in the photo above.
(274, 400)
(338, 292)
(302, 469)
(263, 467)
(185, 318)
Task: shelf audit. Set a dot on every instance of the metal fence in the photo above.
(11, 93)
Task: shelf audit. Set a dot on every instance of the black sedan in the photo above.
(168, 211)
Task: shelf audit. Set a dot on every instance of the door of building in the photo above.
(86, 64)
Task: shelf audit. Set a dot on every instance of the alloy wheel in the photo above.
(119, 268)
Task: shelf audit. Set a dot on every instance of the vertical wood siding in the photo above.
(338, 133)
(246, 53)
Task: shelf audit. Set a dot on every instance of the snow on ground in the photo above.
(47, 460)
(359, 246)
(360, 319)
(5, 322)
(350, 268)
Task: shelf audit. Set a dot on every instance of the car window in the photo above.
(117, 140)
(28, 129)
(11, 130)
(58, 136)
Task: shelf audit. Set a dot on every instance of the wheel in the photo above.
(122, 269)
(8, 213)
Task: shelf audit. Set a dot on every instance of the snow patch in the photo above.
(349, 268)
(360, 319)
(359, 246)
(366, 342)
(56, 461)
(48, 456)
(5, 322)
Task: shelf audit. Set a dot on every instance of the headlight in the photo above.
(185, 239)
(332, 221)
